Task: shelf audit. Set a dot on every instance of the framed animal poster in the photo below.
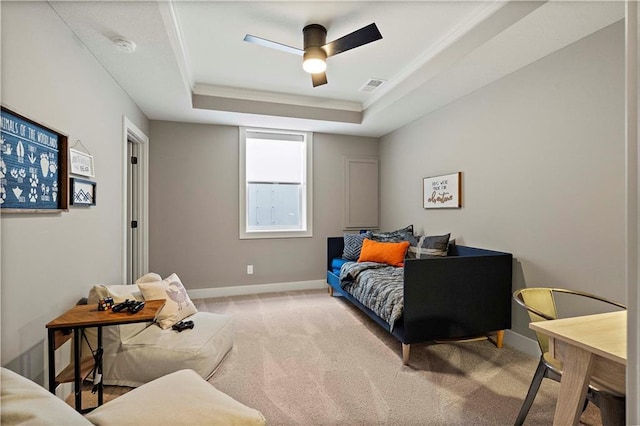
(442, 192)
(33, 166)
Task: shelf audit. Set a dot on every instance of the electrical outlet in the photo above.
(250, 269)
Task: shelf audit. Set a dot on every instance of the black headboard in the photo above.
(335, 247)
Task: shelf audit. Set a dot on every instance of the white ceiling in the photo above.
(192, 53)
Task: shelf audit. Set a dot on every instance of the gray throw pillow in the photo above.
(428, 246)
(353, 245)
(404, 234)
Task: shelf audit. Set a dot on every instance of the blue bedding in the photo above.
(336, 265)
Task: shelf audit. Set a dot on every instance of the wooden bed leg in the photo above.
(406, 348)
(499, 338)
(330, 291)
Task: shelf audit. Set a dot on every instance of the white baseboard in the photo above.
(64, 390)
(205, 293)
(522, 343)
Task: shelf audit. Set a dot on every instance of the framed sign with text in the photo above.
(442, 192)
(81, 163)
(33, 166)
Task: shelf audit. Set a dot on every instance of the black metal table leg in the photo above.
(52, 359)
(99, 367)
(77, 385)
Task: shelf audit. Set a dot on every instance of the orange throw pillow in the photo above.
(390, 253)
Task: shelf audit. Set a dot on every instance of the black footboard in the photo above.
(462, 295)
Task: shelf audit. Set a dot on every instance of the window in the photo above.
(275, 183)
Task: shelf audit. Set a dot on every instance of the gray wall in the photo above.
(542, 156)
(49, 261)
(193, 205)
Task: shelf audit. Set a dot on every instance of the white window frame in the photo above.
(307, 209)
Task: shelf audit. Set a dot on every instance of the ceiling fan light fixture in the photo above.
(314, 60)
(317, 50)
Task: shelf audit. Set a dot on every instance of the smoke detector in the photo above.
(123, 44)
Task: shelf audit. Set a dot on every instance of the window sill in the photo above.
(255, 235)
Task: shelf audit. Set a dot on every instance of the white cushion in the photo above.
(26, 403)
(181, 398)
(178, 306)
(155, 352)
(148, 278)
(119, 293)
(135, 354)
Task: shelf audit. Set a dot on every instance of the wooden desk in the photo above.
(591, 347)
(77, 319)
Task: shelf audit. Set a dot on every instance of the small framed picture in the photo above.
(81, 163)
(83, 192)
(442, 192)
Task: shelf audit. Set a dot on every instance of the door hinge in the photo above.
(134, 224)
(134, 160)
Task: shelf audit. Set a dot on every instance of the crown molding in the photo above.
(274, 97)
(174, 32)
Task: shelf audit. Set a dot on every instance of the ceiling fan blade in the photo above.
(273, 45)
(319, 79)
(355, 39)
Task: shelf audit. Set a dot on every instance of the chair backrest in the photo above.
(541, 306)
(538, 301)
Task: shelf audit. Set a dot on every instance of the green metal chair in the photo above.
(541, 306)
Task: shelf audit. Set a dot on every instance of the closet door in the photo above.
(361, 193)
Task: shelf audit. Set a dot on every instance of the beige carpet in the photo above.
(310, 359)
(304, 358)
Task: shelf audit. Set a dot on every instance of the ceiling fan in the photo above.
(317, 50)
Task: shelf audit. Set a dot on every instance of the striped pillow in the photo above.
(353, 245)
(423, 246)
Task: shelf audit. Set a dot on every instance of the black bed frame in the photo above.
(463, 295)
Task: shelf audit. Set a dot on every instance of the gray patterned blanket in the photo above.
(377, 286)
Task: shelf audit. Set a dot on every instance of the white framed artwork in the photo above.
(442, 192)
(81, 163)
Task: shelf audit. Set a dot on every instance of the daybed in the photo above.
(180, 398)
(465, 294)
(134, 354)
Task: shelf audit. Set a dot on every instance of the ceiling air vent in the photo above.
(372, 84)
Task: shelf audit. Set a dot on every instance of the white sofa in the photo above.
(180, 398)
(135, 354)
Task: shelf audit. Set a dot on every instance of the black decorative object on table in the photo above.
(133, 306)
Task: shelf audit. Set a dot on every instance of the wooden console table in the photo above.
(76, 320)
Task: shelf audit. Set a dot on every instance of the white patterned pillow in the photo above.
(178, 306)
(427, 246)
